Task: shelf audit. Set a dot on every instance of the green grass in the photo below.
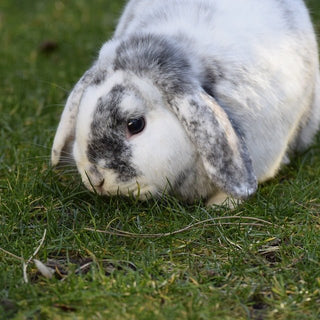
(212, 271)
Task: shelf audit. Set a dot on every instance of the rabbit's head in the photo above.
(139, 123)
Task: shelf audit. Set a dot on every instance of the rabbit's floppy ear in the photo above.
(95, 75)
(223, 151)
(66, 130)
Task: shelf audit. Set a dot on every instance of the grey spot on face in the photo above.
(108, 136)
(157, 58)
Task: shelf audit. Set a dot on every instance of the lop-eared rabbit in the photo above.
(200, 98)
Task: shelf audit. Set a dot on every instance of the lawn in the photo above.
(261, 261)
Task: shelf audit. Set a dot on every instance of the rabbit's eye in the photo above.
(136, 125)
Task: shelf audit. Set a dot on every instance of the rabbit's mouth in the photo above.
(138, 191)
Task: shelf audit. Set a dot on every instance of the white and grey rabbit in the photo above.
(203, 98)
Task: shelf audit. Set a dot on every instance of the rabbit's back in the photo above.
(209, 18)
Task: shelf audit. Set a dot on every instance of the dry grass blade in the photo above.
(25, 264)
(85, 266)
(204, 223)
(12, 255)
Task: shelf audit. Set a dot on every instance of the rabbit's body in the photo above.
(240, 76)
(273, 57)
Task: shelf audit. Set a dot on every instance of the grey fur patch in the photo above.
(107, 140)
(157, 58)
(180, 180)
(288, 14)
(211, 75)
(185, 183)
(99, 77)
(79, 89)
(230, 168)
(94, 171)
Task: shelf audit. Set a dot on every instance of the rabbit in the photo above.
(203, 99)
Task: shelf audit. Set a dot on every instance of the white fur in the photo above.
(233, 36)
(271, 87)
